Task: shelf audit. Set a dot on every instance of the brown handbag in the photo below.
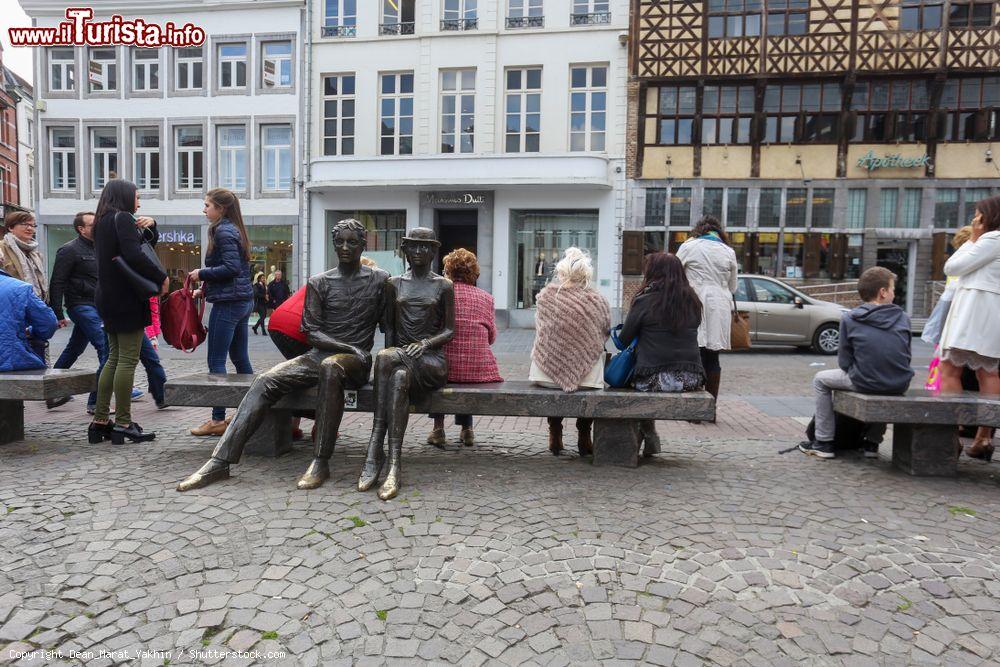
(739, 331)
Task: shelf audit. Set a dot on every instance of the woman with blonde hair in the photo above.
(572, 321)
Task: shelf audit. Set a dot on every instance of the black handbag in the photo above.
(140, 284)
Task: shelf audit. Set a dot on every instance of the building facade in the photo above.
(500, 124)
(25, 138)
(177, 122)
(828, 136)
(10, 180)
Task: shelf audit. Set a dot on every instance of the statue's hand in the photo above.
(415, 350)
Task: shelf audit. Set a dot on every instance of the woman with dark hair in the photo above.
(664, 319)
(260, 303)
(125, 313)
(970, 338)
(226, 277)
(20, 255)
(711, 269)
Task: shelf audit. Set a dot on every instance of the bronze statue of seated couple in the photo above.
(343, 306)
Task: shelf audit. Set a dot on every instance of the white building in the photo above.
(177, 122)
(499, 123)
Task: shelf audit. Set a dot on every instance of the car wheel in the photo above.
(826, 340)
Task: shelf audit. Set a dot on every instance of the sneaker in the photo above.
(136, 393)
(823, 450)
(210, 428)
(91, 409)
(871, 449)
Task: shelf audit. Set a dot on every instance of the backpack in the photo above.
(180, 320)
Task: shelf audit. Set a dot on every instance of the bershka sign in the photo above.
(871, 162)
(444, 198)
(177, 236)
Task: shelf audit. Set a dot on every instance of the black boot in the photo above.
(584, 443)
(214, 470)
(650, 440)
(555, 435)
(99, 432)
(133, 432)
(375, 457)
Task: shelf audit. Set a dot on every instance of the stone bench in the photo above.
(615, 411)
(925, 426)
(43, 384)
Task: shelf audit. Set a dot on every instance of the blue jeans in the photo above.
(150, 360)
(229, 335)
(87, 329)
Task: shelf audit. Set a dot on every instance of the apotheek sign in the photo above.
(444, 198)
(871, 162)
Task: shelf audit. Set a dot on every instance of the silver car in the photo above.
(782, 315)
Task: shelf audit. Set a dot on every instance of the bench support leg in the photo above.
(274, 437)
(11, 421)
(925, 450)
(616, 442)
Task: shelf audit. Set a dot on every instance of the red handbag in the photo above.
(180, 319)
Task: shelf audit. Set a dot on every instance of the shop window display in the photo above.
(540, 237)
(385, 234)
(179, 250)
(271, 249)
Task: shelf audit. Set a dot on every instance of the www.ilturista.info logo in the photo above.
(79, 30)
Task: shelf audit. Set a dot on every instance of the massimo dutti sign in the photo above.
(871, 162)
(454, 198)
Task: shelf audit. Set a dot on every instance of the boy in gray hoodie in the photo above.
(874, 358)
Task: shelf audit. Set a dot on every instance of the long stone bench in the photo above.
(925, 426)
(16, 387)
(615, 411)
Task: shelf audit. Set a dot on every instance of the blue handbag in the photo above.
(618, 372)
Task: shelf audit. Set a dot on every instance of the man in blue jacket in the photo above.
(24, 318)
(874, 358)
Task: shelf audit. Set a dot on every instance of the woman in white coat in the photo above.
(971, 337)
(710, 265)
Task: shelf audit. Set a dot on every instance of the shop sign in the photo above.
(445, 198)
(871, 162)
(178, 235)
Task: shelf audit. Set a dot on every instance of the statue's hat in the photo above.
(422, 235)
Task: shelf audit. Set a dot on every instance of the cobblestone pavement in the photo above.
(718, 551)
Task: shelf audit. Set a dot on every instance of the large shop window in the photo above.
(179, 250)
(676, 107)
(857, 202)
(890, 111)
(970, 109)
(385, 232)
(711, 203)
(946, 208)
(900, 209)
(795, 207)
(727, 112)
(540, 238)
(769, 208)
(822, 207)
(656, 207)
(271, 249)
(55, 237)
(802, 113)
(736, 207)
(972, 197)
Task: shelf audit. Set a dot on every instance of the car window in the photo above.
(741, 290)
(768, 292)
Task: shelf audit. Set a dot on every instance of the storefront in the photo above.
(539, 239)
(385, 230)
(271, 249)
(179, 250)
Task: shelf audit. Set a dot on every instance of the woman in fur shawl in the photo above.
(571, 324)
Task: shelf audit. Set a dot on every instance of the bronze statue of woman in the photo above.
(421, 319)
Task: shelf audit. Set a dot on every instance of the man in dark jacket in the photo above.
(74, 280)
(26, 319)
(278, 291)
(874, 358)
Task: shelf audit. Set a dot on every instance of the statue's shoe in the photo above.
(209, 473)
(318, 472)
(370, 473)
(390, 487)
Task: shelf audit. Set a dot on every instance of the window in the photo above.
(232, 66)
(588, 12)
(458, 111)
(656, 207)
(188, 68)
(61, 70)
(102, 70)
(769, 208)
(972, 197)
(676, 108)
(909, 215)
(822, 207)
(525, 14)
(712, 202)
(971, 109)
(946, 208)
(104, 156)
(540, 237)
(524, 110)
(891, 111)
(795, 207)
(338, 114)
(680, 207)
(276, 157)
(29, 135)
(276, 64)
(920, 14)
(888, 199)
(385, 231)
(396, 110)
(804, 113)
(62, 158)
(736, 207)
(190, 159)
(787, 17)
(341, 18)
(766, 291)
(145, 69)
(397, 17)
(726, 114)
(970, 15)
(857, 203)
(459, 15)
(588, 108)
(734, 18)
(232, 158)
(146, 152)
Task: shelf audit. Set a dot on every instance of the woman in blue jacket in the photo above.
(26, 320)
(226, 285)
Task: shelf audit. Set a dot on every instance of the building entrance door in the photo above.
(898, 258)
(456, 229)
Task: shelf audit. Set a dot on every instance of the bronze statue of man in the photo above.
(420, 319)
(342, 309)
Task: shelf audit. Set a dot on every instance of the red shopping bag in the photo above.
(181, 320)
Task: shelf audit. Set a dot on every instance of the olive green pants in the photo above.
(117, 377)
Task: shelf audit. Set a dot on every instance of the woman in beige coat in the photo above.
(710, 265)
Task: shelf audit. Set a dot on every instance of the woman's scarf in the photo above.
(711, 236)
(571, 326)
(32, 270)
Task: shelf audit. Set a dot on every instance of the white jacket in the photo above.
(975, 308)
(712, 271)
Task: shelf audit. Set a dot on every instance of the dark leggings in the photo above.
(710, 360)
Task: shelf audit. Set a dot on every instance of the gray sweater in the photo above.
(875, 348)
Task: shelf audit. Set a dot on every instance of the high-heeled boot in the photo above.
(980, 449)
(650, 440)
(555, 435)
(393, 478)
(375, 457)
(584, 443)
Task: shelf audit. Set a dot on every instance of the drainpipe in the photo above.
(305, 209)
